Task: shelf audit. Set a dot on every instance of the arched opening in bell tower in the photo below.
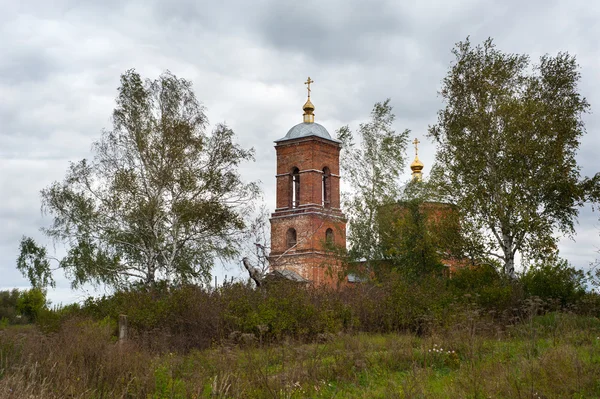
(291, 238)
(326, 188)
(329, 236)
(295, 189)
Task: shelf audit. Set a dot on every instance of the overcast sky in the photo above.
(60, 63)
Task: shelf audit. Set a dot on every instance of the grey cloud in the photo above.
(334, 32)
(28, 65)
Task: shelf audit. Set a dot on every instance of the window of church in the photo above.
(326, 188)
(329, 236)
(295, 191)
(291, 238)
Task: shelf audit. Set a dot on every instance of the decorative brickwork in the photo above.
(304, 212)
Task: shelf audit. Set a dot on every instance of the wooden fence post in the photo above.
(122, 328)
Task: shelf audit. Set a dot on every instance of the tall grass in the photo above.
(430, 337)
(552, 356)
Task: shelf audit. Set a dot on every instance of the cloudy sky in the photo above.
(60, 63)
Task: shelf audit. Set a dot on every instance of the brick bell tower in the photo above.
(308, 222)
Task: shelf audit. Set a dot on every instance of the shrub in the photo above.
(181, 318)
(8, 306)
(555, 279)
(50, 320)
(31, 303)
(484, 286)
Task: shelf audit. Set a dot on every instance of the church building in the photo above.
(308, 224)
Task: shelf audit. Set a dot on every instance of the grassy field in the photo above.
(552, 356)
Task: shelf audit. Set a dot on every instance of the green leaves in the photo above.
(31, 303)
(371, 168)
(161, 199)
(554, 279)
(507, 142)
(34, 264)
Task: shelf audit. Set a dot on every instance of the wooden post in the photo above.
(122, 328)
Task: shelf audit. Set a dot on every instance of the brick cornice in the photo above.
(308, 139)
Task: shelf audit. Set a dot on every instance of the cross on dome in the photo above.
(416, 142)
(309, 108)
(417, 166)
(307, 83)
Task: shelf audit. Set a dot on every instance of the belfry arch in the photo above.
(295, 187)
(326, 188)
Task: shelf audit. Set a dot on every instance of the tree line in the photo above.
(163, 199)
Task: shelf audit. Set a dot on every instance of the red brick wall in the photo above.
(318, 268)
(310, 219)
(310, 156)
(310, 231)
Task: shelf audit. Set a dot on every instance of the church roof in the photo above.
(286, 274)
(306, 130)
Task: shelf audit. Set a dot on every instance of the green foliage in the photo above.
(34, 264)
(556, 355)
(286, 310)
(412, 236)
(167, 386)
(484, 286)
(416, 305)
(555, 279)
(8, 305)
(507, 144)
(181, 318)
(51, 319)
(31, 303)
(371, 168)
(161, 200)
(200, 317)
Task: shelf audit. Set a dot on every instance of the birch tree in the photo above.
(371, 167)
(162, 198)
(507, 144)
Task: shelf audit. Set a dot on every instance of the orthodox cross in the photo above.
(416, 143)
(308, 82)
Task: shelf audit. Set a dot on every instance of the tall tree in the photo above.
(371, 168)
(161, 200)
(507, 140)
(419, 235)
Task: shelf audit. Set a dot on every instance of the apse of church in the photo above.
(308, 220)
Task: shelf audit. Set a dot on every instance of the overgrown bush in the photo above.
(181, 318)
(51, 320)
(485, 287)
(555, 279)
(20, 307)
(186, 317)
(31, 303)
(194, 317)
(8, 306)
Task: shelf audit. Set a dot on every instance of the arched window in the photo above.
(295, 189)
(326, 188)
(291, 237)
(329, 236)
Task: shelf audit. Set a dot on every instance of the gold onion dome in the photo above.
(416, 166)
(308, 127)
(308, 107)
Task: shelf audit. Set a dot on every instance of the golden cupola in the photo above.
(308, 107)
(308, 127)
(417, 166)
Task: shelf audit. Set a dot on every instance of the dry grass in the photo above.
(551, 356)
